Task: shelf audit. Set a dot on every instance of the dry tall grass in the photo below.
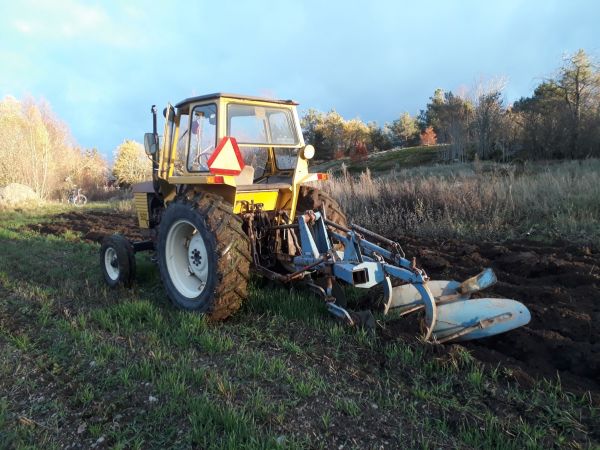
(478, 201)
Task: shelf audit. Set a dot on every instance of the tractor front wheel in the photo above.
(117, 260)
(203, 256)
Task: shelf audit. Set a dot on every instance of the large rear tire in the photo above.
(314, 199)
(203, 256)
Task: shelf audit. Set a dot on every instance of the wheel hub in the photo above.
(111, 263)
(186, 257)
(195, 257)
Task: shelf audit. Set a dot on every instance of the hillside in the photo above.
(397, 158)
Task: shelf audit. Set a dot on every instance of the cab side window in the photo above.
(203, 137)
(182, 140)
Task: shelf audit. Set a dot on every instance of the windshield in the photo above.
(260, 125)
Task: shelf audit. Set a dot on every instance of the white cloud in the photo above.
(22, 26)
(69, 19)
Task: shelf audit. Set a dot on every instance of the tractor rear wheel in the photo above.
(313, 198)
(203, 256)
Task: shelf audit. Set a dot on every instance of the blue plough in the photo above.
(450, 313)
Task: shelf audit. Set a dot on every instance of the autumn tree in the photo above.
(333, 130)
(91, 174)
(359, 152)
(11, 136)
(434, 114)
(428, 137)
(451, 116)
(36, 148)
(131, 164)
(332, 135)
(356, 134)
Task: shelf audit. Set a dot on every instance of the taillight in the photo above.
(217, 179)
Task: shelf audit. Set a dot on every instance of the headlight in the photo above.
(308, 152)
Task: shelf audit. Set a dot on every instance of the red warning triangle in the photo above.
(226, 159)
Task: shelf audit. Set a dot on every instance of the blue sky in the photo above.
(102, 64)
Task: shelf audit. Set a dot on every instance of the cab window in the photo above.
(203, 137)
(182, 140)
(260, 125)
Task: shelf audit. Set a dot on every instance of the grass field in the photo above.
(474, 201)
(80, 364)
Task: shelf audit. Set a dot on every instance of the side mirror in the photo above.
(150, 143)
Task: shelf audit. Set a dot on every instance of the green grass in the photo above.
(83, 364)
(394, 159)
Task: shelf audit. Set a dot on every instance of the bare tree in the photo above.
(488, 115)
(579, 83)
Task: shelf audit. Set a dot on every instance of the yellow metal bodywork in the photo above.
(140, 199)
(269, 198)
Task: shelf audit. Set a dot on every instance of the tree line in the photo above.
(560, 120)
(36, 150)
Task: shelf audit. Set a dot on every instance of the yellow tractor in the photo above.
(231, 194)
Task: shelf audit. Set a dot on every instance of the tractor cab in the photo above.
(248, 150)
(267, 134)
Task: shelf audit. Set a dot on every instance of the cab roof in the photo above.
(217, 95)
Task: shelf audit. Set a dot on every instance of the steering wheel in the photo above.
(203, 153)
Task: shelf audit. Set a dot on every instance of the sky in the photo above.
(101, 65)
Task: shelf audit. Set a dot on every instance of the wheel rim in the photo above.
(187, 259)
(111, 263)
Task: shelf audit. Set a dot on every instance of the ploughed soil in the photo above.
(92, 225)
(559, 283)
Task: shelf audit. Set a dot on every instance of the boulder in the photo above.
(15, 194)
